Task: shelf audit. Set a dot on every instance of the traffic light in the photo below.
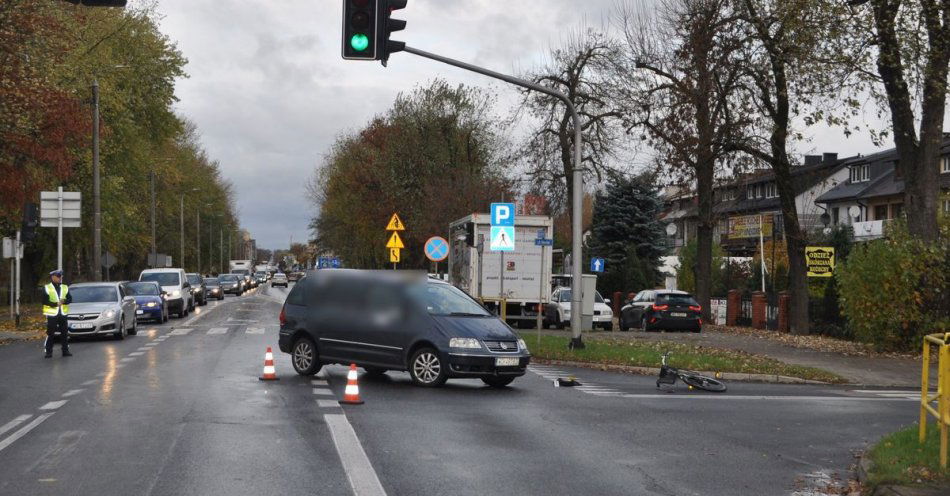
(470, 233)
(360, 25)
(31, 220)
(100, 3)
(387, 26)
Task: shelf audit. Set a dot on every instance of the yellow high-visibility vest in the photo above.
(51, 294)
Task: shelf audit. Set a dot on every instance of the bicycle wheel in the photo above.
(703, 382)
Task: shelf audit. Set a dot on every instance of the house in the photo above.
(874, 193)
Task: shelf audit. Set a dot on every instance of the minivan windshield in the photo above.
(94, 294)
(143, 289)
(162, 278)
(444, 299)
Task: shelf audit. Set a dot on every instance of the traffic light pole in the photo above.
(577, 179)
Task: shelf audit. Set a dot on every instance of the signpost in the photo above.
(820, 261)
(542, 240)
(60, 209)
(395, 242)
(107, 262)
(501, 238)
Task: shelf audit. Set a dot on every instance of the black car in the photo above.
(231, 283)
(213, 288)
(381, 321)
(198, 289)
(654, 310)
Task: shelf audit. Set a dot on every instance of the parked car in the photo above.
(558, 311)
(175, 284)
(379, 322)
(149, 300)
(279, 279)
(101, 308)
(662, 309)
(231, 283)
(198, 289)
(213, 288)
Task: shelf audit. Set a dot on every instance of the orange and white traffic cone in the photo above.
(269, 373)
(351, 395)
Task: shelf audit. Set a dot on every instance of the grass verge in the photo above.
(607, 351)
(900, 459)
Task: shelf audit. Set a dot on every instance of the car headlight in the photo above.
(608, 313)
(109, 314)
(567, 313)
(151, 304)
(176, 293)
(522, 345)
(464, 343)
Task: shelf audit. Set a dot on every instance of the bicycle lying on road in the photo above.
(668, 375)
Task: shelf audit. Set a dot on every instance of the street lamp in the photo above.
(96, 206)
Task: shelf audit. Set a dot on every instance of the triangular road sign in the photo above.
(395, 224)
(394, 241)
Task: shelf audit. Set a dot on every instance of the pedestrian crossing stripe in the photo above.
(181, 331)
(254, 330)
(218, 330)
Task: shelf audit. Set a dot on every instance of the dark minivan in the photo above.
(391, 321)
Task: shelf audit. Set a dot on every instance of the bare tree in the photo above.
(579, 70)
(679, 77)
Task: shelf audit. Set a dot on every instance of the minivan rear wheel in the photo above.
(304, 356)
(427, 369)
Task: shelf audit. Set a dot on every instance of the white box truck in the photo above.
(240, 265)
(527, 277)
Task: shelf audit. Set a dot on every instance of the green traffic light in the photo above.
(359, 42)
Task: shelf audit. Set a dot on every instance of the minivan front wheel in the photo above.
(304, 356)
(426, 368)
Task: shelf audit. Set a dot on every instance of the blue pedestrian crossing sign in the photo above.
(502, 238)
(597, 265)
(437, 249)
(335, 263)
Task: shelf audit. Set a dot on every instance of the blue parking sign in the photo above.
(502, 214)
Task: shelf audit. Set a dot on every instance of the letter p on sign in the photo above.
(502, 214)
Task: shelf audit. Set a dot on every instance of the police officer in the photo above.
(55, 308)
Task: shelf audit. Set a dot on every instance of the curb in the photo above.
(865, 465)
(731, 376)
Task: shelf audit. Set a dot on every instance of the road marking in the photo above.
(136, 353)
(759, 397)
(72, 392)
(143, 348)
(24, 430)
(318, 382)
(13, 423)
(359, 470)
(181, 331)
(119, 366)
(90, 382)
(242, 320)
(218, 330)
(151, 344)
(322, 392)
(328, 404)
(52, 405)
(254, 330)
(127, 359)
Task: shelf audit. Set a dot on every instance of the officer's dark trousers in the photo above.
(53, 325)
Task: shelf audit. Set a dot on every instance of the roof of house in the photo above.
(884, 180)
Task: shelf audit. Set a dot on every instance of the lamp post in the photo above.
(96, 203)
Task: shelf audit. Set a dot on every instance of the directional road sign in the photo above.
(544, 242)
(395, 224)
(597, 265)
(502, 238)
(437, 249)
(394, 241)
(49, 208)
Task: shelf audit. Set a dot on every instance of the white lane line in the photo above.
(322, 392)
(24, 430)
(328, 404)
(136, 353)
(72, 392)
(101, 374)
(254, 330)
(151, 344)
(218, 330)
(143, 348)
(359, 470)
(242, 320)
(127, 359)
(318, 382)
(90, 382)
(13, 423)
(119, 366)
(181, 331)
(52, 405)
(714, 396)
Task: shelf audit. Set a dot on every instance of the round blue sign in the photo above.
(437, 249)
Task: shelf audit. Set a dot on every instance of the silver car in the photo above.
(101, 308)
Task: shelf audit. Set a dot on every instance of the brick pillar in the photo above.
(783, 300)
(733, 302)
(758, 309)
(617, 303)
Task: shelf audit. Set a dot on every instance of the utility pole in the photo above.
(151, 176)
(221, 251)
(198, 237)
(181, 234)
(96, 206)
(17, 253)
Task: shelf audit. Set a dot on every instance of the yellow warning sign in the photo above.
(395, 224)
(820, 260)
(394, 241)
(394, 255)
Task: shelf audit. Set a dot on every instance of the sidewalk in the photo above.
(870, 370)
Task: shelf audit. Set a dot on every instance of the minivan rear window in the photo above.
(675, 299)
(162, 278)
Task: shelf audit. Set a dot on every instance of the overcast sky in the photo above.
(269, 91)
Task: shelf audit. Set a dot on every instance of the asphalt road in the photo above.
(179, 409)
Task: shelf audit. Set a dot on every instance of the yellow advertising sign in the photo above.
(394, 255)
(820, 260)
(395, 241)
(747, 226)
(395, 224)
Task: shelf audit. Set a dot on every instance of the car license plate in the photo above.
(81, 326)
(677, 314)
(506, 362)
(139, 312)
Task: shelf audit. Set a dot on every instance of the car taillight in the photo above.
(696, 308)
(282, 317)
(660, 308)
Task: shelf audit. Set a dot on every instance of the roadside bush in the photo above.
(895, 290)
